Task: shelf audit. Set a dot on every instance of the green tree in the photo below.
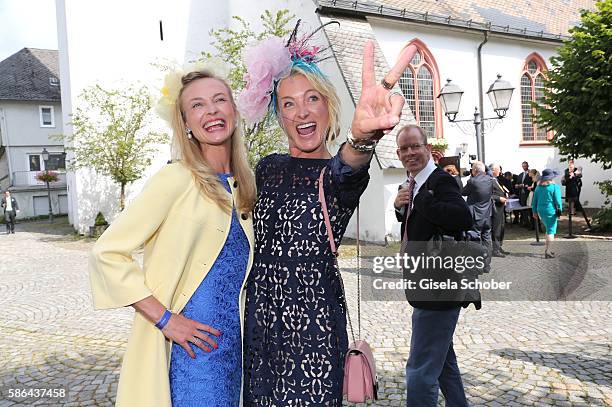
(577, 102)
(110, 135)
(265, 137)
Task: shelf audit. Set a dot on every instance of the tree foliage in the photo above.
(265, 137)
(110, 135)
(578, 98)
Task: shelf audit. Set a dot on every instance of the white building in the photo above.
(515, 40)
(30, 115)
(470, 43)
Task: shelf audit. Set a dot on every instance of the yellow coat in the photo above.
(183, 233)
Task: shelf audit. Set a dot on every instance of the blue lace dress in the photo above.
(295, 323)
(213, 379)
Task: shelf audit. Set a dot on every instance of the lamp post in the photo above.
(500, 93)
(45, 155)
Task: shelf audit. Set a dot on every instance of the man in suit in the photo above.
(505, 180)
(500, 197)
(572, 180)
(10, 207)
(522, 190)
(431, 199)
(479, 192)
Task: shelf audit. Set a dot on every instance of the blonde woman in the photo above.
(546, 206)
(193, 218)
(295, 324)
(535, 178)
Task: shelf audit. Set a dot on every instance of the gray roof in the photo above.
(26, 75)
(347, 44)
(347, 40)
(545, 19)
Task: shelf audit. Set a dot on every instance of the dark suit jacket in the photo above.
(444, 209)
(525, 179)
(13, 203)
(498, 192)
(506, 183)
(479, 192)
(572, 185)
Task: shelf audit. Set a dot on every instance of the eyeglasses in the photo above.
(409, 147)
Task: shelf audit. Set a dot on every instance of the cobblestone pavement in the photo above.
(510, 353)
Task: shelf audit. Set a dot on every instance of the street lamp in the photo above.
(45, 156)
(450, 96)
(500, 93)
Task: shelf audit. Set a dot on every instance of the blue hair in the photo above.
(302, 64)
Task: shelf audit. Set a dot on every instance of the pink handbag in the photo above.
(360, 380)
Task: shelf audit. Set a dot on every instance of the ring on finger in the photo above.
(394, 93)
(386, 84)
(196, 341)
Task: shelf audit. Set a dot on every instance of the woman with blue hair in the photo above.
(295, 322)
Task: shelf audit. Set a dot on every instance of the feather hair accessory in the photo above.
(270, 60)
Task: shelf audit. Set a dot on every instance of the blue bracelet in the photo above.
(163, 321)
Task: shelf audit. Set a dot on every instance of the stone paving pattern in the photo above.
(510, 353)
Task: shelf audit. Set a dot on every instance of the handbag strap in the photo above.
(334, 250)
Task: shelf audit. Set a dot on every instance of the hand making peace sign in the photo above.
(379, 108)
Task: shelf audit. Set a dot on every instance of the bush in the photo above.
(100, 220)
(602, 220)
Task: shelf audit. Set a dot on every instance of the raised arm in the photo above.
(378, 109)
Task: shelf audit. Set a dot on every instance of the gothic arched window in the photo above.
(532, 89)
(420, 84)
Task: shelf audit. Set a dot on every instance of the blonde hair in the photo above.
(322, 85)
(188, 152)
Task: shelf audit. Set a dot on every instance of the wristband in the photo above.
(163, 321)
(361, 145)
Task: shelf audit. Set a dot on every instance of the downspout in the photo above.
(480, 140)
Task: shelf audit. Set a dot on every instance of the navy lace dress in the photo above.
(295, 328)
(213, 379)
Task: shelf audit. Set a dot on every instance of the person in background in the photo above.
(479, 192)
(546, 206)
(500, 197)
(535, 178)
(572, 180)
(11, 208)
(430, 201)
(452, 170)
(506, 180)
(522, 190)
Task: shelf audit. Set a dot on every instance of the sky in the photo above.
(27, 23)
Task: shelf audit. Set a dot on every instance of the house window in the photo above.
(55, 162)
(419, 83)
(34, 160)
(46, 116)
(532, 89)
(53, 81)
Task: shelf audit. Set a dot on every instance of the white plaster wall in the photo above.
(113, 43)
(22, 124)
(98, 44)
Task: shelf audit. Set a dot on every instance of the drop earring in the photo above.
(189, 133)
